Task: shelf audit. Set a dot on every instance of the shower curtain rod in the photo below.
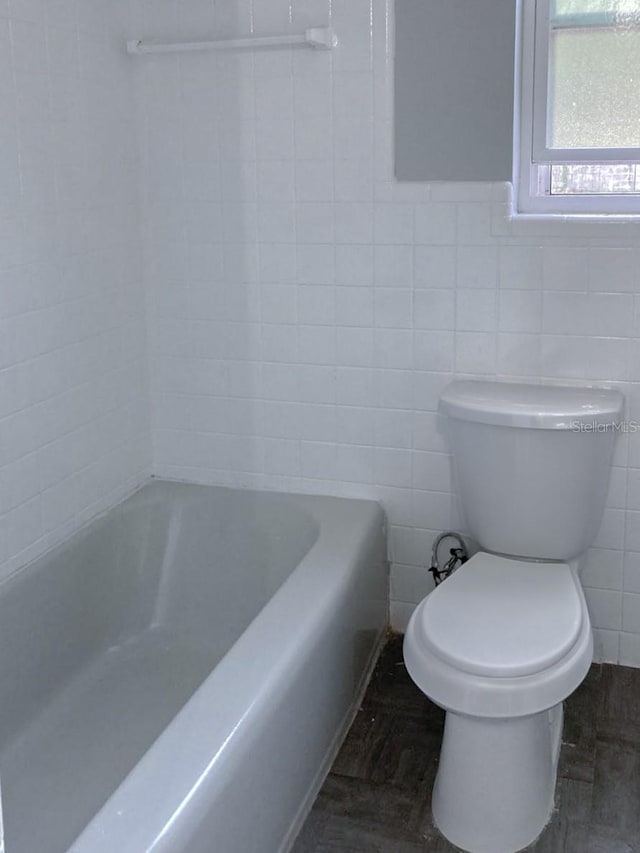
(323, 38)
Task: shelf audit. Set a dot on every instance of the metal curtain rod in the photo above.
(323, 38)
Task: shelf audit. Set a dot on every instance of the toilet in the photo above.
(502, 642)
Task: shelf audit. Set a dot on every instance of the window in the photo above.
(578, 132)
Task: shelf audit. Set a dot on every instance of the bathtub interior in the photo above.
(105, 639)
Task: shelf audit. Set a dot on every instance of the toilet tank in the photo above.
(532, 463)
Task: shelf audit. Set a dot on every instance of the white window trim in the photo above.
(530, 134)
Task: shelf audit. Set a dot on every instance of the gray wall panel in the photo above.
(454, 70)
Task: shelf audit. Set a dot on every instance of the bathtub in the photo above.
(178, 676)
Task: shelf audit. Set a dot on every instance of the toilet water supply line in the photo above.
(457, 556)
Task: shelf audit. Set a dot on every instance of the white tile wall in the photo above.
(73, 386)
(306, 309)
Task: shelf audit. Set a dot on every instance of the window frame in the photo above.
(533, 158)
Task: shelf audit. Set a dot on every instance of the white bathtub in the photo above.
(178, 676)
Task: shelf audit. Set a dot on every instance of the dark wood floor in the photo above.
(377, 797)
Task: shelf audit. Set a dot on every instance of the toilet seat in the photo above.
(468, 679)
(502, 617)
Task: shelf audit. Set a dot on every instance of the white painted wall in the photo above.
(73, 386)
(306, 310)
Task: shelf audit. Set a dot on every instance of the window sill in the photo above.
(600, 218)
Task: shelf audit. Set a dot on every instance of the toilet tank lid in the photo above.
(533, 406)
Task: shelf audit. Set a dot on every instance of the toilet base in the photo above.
(495, 787)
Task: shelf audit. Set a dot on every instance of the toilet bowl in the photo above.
(507, 637)
(493, 648)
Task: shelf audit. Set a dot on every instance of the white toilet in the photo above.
(503, 641)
